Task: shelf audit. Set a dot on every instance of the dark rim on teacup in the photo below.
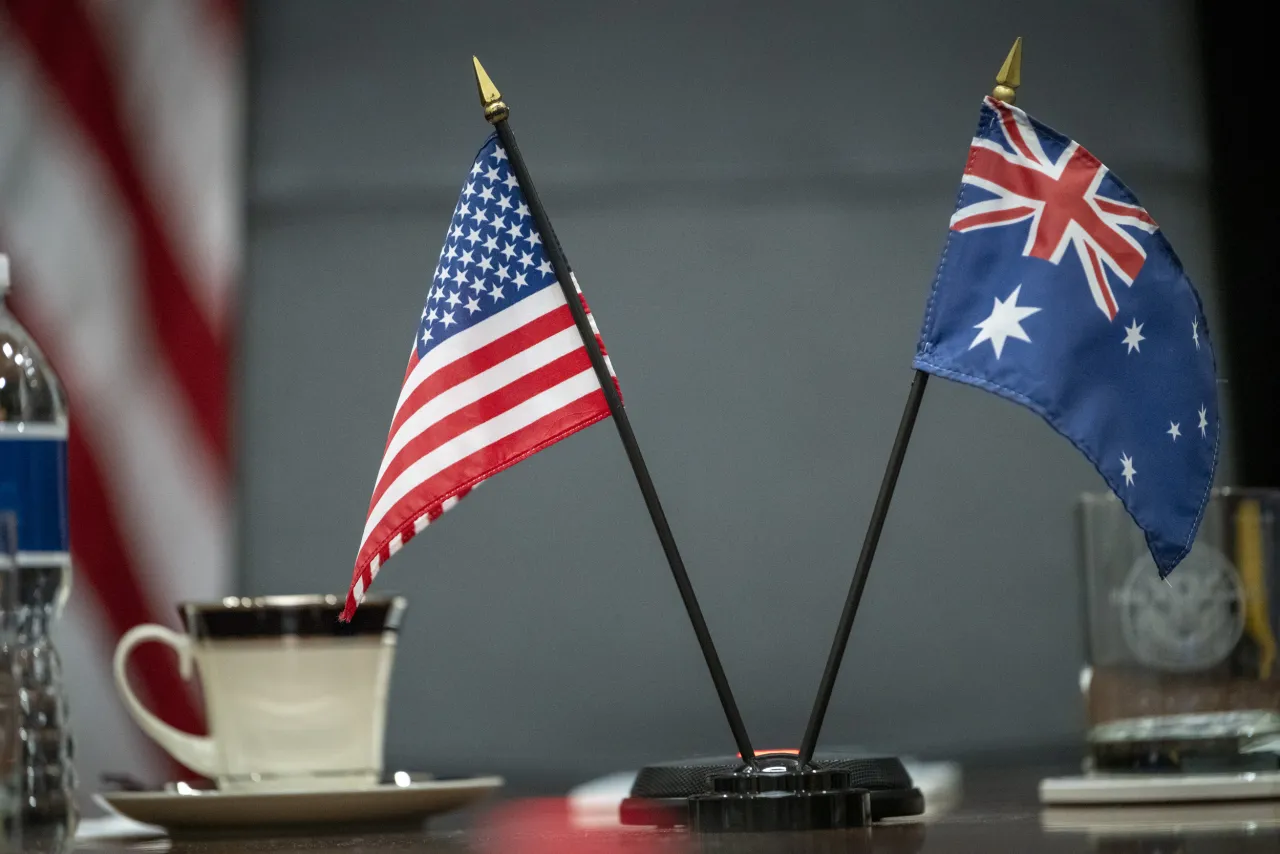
(289, 616)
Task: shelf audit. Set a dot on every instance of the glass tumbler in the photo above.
(1201, 642)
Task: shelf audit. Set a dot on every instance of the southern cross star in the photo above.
(1129, 470)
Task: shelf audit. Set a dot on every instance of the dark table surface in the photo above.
(997, 811)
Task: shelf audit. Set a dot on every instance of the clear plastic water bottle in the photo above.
(11, 748)
(33, 487)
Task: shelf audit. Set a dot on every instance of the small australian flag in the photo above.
(1058, 291)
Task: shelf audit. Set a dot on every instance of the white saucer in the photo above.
(1159, 788)
(1148, 820)
(223, 811)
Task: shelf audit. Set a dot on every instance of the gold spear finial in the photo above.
(490, 98)
(1010, 74)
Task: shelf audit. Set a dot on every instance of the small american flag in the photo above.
(498, 369)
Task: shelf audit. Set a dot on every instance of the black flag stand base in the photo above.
(723, 795)
(781, 794)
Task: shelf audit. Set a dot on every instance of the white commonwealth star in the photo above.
(1132, 335)
(1129, 470)
(1204, 421)
(1195, 331)
(1004, 322)
(1174, 431)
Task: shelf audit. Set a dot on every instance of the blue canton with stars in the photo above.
(492, 257)
(1057, 291)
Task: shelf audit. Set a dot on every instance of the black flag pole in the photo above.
(496, 113)
(1007, 80)
(863, 567)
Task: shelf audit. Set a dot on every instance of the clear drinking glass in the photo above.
(1204, 641)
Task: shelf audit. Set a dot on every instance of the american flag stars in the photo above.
(492, 248)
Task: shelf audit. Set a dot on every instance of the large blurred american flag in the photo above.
(120, 207)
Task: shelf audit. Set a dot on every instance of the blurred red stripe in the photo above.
(62, 39)
(548, 826)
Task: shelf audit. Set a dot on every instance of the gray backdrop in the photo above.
(754, 196)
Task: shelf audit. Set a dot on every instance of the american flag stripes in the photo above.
(498, 369)
(120, 146)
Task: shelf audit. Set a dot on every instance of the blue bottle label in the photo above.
(33, 483)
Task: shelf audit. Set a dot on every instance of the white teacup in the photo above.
(295, 699)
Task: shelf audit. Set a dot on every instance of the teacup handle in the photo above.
(194, 751)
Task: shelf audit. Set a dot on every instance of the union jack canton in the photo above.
(1058, 291)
